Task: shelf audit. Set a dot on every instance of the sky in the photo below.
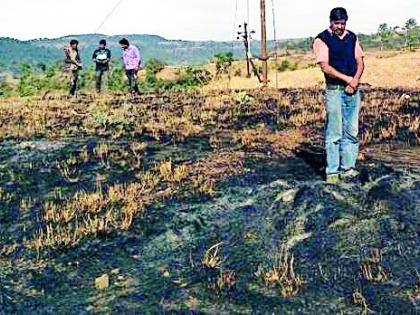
(192, 19)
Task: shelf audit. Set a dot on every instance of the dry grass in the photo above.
(225, 281)
(217, 115)
(372, 269)
(282, 275)
(279, 142)
(279, 122)
(394, 69)
(212, 257)
(415, 294)
(360, 300)
(87, 214)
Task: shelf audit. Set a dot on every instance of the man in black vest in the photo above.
(340, 57)
(101, 57)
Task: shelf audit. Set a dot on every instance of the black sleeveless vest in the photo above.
(341, 54)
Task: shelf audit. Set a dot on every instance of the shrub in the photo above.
(117, 79)
(5, 89)
(187, 79)
(286, 65)
(223, 63)
(155, 65)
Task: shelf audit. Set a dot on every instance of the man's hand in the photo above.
(349, 90)
(354, 83)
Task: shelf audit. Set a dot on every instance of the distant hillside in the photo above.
(45, 51)
(41, 52)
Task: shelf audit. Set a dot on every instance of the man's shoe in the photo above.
(351, 173)
(332, 178)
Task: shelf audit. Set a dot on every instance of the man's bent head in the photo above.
(102, 43)
(124, 43)
(74, 43)
(338, 20)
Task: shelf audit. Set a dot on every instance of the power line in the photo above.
(248, 11)
(275, 41)
(234, 24)
(248, 20)
(233, 40)
(109, 15)
(274, 20)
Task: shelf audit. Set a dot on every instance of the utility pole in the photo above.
(248, 73)
(263, 55)
(245, 38)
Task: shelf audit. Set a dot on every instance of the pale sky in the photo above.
(192, 19)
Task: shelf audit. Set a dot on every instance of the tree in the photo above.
(25, 88)
(289, 47)
(41, 66)
(384, 34)
(223, 63)
(412, 33)
(307, 44)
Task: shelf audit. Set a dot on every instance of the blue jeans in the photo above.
(341, 130)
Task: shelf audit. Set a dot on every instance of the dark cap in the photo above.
(338, 14)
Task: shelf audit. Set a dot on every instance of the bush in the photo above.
(286, 65)
(52, 78)
(32, 83)
(195, 77)
(223, 63)
(117, 79)
(188, 79)
(5, 89)
(155, 65)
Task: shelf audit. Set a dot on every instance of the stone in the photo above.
(102, 282)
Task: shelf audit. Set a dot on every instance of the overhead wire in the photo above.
(233, 40)
(234, 24)
(248, 21)
(109, 15)
(275, 42)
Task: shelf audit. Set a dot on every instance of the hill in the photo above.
(45, 51)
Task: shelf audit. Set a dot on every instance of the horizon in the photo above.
(215, 20)
(153, 35)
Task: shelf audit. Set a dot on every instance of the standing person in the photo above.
(73, 64)
(132, 61)
(340, 57)
(102, 57)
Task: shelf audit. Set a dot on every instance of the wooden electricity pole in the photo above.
(245, 38)
(263, 55)
(246, 42)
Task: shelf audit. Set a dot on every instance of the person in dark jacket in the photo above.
(340, 56)
(101, 57)
(73, 64)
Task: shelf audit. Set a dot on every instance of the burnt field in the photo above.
(215, 203)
